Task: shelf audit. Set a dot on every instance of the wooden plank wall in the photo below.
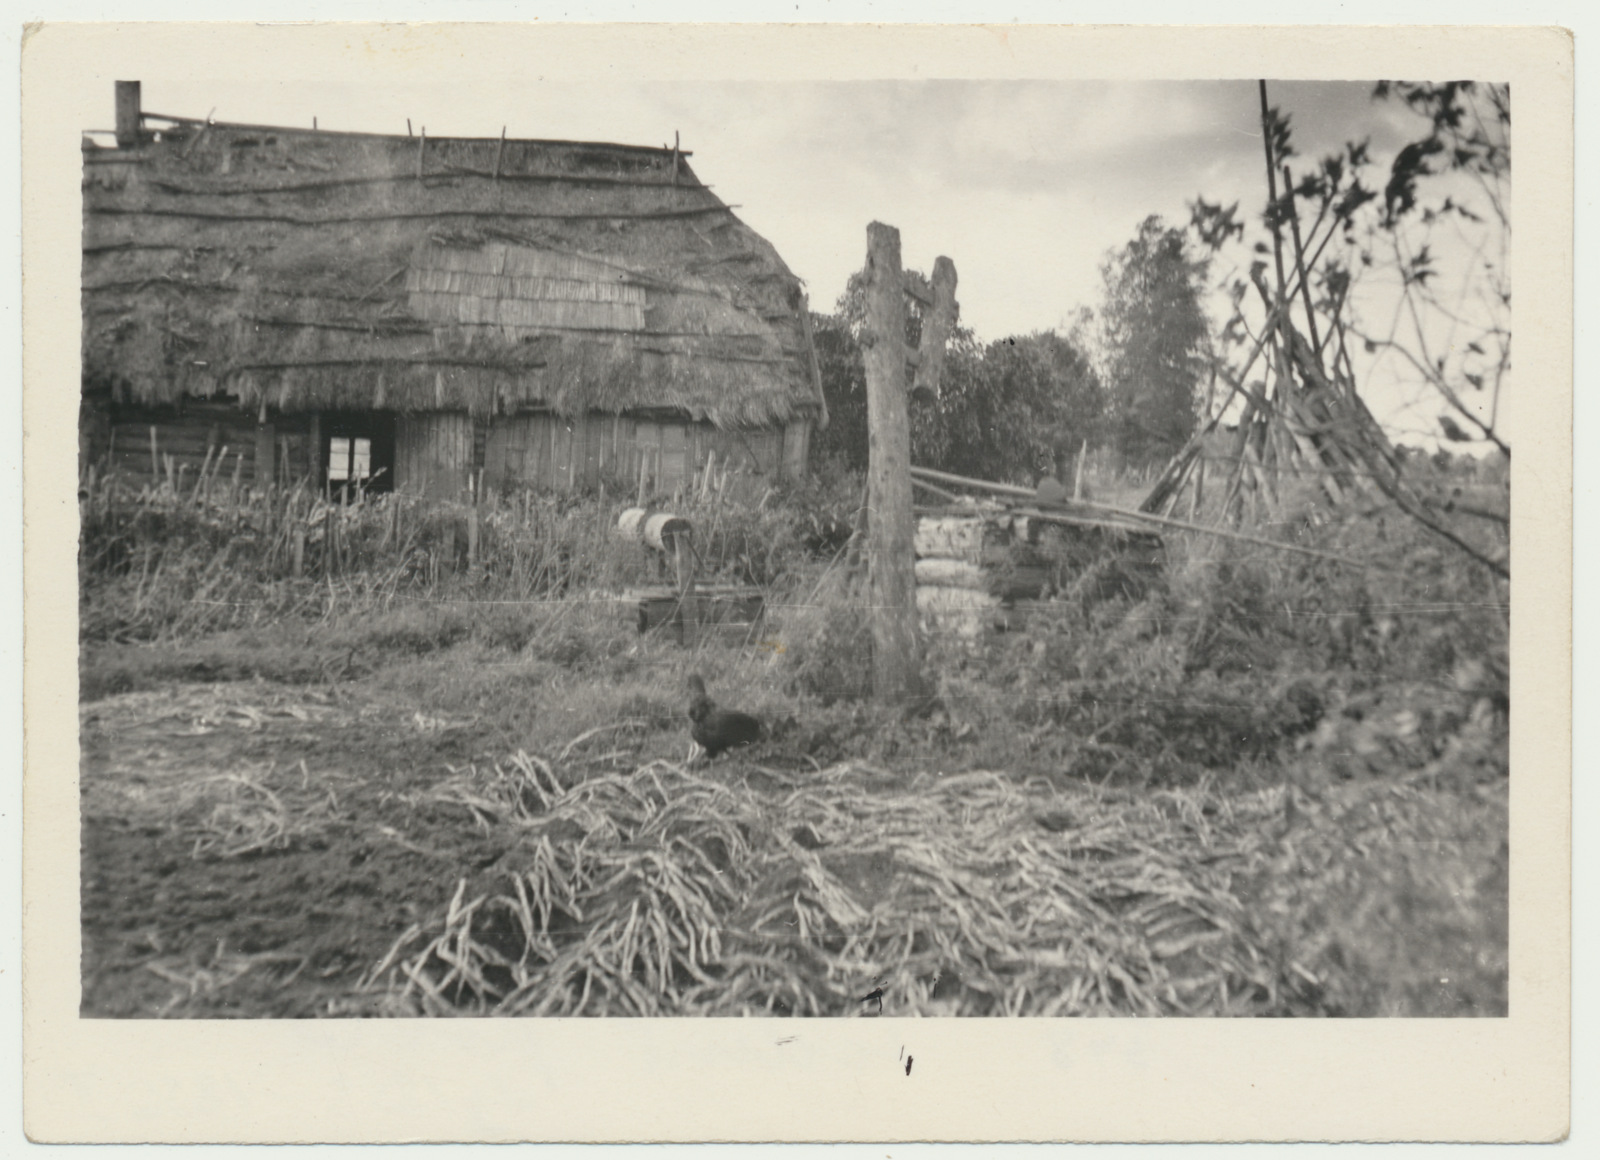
(121, 441)
(548, 451)
(436, 454)
(433, 454)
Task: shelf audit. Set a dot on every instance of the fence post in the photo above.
(688, 605)
(891, 583)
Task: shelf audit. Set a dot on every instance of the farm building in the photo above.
(437, 315)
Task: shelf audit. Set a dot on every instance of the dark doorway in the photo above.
(357, 452)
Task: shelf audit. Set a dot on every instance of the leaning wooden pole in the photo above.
(891, 582)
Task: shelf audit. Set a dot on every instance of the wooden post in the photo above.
(1300, 264)
(937, 325)
(499, 152)
(266, 446)
(314, 472)
(891, 581)
(127, 114)
(688, 605)
(155, 459)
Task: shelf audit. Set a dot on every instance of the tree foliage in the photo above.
(1398, 284)
(1155, 339)
(1013, 410)
(1008, 410)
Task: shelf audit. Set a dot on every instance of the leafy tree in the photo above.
(1007, 410)
(1455, 179)
(844, 388)
(1014, 410)
(1155, 340)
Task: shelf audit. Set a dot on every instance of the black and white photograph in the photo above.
(901, 548)
(505, 591)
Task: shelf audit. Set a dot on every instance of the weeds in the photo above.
(1237, 783)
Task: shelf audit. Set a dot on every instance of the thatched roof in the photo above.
(312, 270)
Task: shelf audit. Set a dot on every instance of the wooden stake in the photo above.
(891, 581)
(674, 157)
(688, 605)
(422, 144)
(499, 152)
(314, 466)
(266, 445)
(1300, 263)
(1272, 194)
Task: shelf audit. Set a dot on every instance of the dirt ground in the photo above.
(182, 917)
(255, 848)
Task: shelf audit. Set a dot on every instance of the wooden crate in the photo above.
(731, 613)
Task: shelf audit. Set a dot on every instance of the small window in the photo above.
(349, 458)
(338, 458)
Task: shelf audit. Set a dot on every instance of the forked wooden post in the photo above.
(891, 581)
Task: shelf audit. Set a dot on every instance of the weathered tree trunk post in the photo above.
(891, 581)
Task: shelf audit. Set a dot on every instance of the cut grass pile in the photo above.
(674, 891)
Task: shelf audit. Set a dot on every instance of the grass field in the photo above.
(1266, 785)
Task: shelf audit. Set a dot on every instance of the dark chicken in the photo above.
(714, 729)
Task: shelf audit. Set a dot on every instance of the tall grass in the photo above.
(181, 559)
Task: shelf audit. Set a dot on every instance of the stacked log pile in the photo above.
(984, 562)
(972, 567)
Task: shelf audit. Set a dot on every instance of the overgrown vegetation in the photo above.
(1250, 783)
(1015, 409)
